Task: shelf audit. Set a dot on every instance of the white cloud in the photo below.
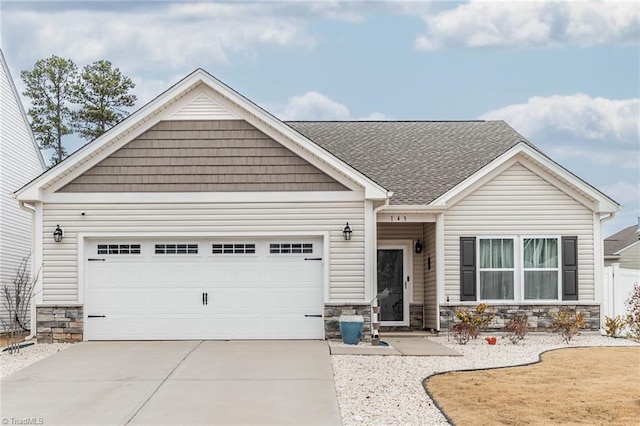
(575, 117)
(316, 106)
(177, 36)
(338, 10)
(539, 23)
(148, 88)
(376, 116)
(626, 193)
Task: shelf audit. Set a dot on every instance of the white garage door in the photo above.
(213, 289)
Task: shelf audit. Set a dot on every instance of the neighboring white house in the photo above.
(202, 216)
(20, 162)
(623, 247)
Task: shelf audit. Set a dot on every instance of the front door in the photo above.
(393, 285)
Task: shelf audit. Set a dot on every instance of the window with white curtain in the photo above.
(496, 268)
(519, 268)
(541, 268)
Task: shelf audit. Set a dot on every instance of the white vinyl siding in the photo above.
(519, 203)
(346, 273)
(430, 287)
(20, 162)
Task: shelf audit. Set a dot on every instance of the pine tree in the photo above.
(101, 92)
(50, 87)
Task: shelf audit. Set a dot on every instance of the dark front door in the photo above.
(392, 286)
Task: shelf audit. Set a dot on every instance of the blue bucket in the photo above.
(351, 332)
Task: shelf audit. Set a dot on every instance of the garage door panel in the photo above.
(249, 296)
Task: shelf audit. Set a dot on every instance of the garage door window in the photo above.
(290, 248)
(118, 248)
(233, 248)
(176, 249)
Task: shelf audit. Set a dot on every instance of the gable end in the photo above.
(203, 156)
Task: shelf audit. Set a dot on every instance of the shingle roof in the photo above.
(417, 160)
(620, 240)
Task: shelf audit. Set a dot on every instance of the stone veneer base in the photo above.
(332, 314)
(539, 316)
(59, 324)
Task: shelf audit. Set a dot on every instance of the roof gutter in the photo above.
(414, 208)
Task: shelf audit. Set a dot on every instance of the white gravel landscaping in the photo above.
(387, 390)
(9, 364)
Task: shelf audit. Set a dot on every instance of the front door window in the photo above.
(391, 285)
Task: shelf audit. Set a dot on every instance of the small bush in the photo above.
(568, 323)
(477, 319)
(517, 328)
(614, 325)
(462, 332)
(633, 309)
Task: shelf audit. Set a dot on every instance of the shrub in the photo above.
(517, 328)
(614, 325)
(633, 309)
(16, 300)
(568, 323)
(462, 332)
(477, 319)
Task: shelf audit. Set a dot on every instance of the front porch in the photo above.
(406, 273)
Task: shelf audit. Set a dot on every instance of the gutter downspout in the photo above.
(374, 264)
(31, 209)
(375, 233)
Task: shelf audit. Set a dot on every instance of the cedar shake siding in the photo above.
(203, 156)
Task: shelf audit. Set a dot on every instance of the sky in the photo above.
(566, 75)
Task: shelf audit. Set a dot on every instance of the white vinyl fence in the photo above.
(617, 286)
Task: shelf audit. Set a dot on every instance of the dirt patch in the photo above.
(570, 386)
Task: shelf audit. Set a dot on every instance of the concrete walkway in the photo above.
(400, 346)
(169, 383)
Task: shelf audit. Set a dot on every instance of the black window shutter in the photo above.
(467, 269)
(569, 268)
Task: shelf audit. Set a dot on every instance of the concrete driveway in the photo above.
(190, 382)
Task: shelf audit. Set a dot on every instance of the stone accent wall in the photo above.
(332, 314)
(416, 320)
(539, 315)
(59, 324)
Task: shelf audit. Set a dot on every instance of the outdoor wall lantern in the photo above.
(57, 234)
(418, 247)
(346, 232)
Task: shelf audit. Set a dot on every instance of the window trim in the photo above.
(518, 278)
(514, 269)
(558, 268)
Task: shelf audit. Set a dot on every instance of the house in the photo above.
(202, 216)
(623, 247)
(20, 161)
